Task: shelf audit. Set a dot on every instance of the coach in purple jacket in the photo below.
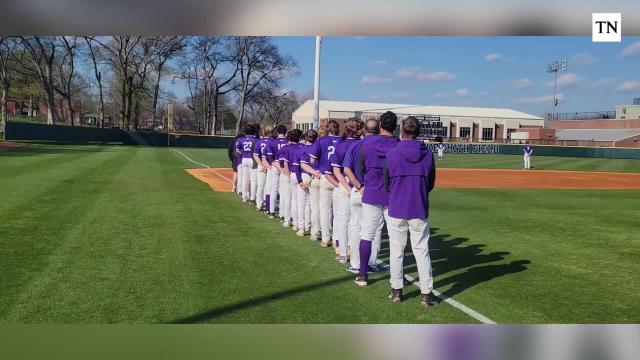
(409, 177)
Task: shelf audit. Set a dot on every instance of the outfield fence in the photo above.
(18, 131)
(541, 150)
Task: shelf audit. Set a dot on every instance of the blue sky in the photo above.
(470, 71)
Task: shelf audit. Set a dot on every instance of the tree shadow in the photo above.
(52, 149)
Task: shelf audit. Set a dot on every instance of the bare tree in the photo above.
(42, 55)
(8, 63)
(273, 107)
(166, 48)
(94, 55)
(260, 64)
(66, 72)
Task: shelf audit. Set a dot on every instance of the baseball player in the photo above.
(375, 198)
(409, 177)
(351, 169)
(244, 149)
(311, 171)
(261, 171)
(237, 143)
(285, 194)
(320, 152)
(231, 152)
(273, 157)
(341, 203)
(304, 179)
(440, 148)
(292, 164)
(253, 186)
(527, 150)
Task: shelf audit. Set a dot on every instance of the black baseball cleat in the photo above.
(427, 300)
(395, 295)
(361, 281)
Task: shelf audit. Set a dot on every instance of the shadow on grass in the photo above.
(36, 149)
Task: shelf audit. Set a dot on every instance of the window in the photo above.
(487, 133)
(465, 132)
(509, 132)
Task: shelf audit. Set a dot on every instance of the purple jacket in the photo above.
(527, 150)
(322, 150)
(372, 156)
(274, 147)
(245, 146)
(341, 151)
(410, 176)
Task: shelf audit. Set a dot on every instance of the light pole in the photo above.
(316, 86)
(554, 67)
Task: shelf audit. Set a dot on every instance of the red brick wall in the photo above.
(595, 124)
(633, 141)
(539, 133)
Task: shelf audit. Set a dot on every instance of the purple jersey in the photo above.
(409, 177)
(293, 159)
(283, 154)
(245, 146)
(527, 150)
(260, 147)
(341, 150)
(274, 148)
(350, 157)
(440, 147)
(303, 157)
(322, 151)
(372, 156)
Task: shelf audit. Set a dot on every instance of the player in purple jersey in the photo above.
(440, 148)
(304, 180)
(320, 153)
(293, 164)
(311, 171)
(293, 136)
(273, 157)
(244, 149)
(409, 176)
(234, 161)
(341, 205)
(261, 172)
(527, 151)
(375, 199)
(351, 170)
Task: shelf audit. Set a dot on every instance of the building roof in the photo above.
(596, 134)
(326, 106)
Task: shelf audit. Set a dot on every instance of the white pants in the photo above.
(527, 161)
(304, 205)
(326, 208)
(275, 185)
(267, 184)
(293, 190)
(285, 197)
(314, 200)
(254, 183)
(240, 179)
(248, 177)
(261, 179)
(341, 215)
(440, 154)
(355, 231)
(418, 231)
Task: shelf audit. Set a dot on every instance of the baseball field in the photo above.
(107, 234)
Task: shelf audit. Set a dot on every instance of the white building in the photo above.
(473, 123)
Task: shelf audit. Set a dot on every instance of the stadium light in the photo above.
(554, 67)
(316, 87)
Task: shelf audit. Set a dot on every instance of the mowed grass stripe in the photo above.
(38, 226)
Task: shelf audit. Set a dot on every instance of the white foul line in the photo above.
(465, 309)
(188, 158)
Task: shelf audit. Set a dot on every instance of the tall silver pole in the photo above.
(555, 77)
(316, 87)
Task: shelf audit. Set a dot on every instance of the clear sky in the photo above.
(470, 71)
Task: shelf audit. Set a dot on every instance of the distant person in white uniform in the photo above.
(527, 150)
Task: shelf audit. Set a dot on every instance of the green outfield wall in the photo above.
(543, 150)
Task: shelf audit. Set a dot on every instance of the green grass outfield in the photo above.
(103, 234)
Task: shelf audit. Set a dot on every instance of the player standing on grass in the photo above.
(304, 184)
(311, 171)
(321, 151)
(375, 198)
(352, 171)
(527, 151)
(440, 148)
(409, 176)
(231, 152)
(292, 164)
(244, 149)
(254, 168)
(261, 175)
(341, 204)
(273, 158)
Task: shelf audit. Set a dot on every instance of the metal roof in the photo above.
(326, 106)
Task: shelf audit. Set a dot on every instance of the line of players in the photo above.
(342, 189)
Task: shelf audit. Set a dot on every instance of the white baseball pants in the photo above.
(261, 179)
(254, 183)
(355, 227)
(285, 197)
(275, 185)
(247, 177)
(304, 205)
(314, 200)
(341, 215)
(293, 189)
(527, 161)
(326, 208)
(418, 231)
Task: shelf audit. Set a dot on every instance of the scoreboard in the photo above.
(431, 128)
